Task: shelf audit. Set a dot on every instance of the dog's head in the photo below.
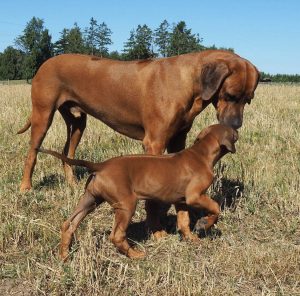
(225, 135)
(229, 82)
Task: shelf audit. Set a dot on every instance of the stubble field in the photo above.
(254, 250)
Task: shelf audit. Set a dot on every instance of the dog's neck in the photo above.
(210, 148)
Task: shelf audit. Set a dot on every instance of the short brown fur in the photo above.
(154, 101)
(181, 178)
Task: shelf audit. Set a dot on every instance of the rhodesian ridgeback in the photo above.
(154, 101)
(180, 178)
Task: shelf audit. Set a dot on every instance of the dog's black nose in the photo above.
(236, 123)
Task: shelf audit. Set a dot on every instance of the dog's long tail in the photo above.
(26, 126)
(91, 166)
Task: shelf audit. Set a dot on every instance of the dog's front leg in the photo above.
(183, 223)
(196, 197)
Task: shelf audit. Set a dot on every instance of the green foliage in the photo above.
(162, 38)
(139, 44)
(183, 41)
(265, 77)
(103, 39)
(213, 47)
(115, 55)
(11, 63)
(97, 38)
(70, 41)
(36, 44)
(90, 36)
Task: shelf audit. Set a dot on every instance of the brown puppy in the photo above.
(154, 101)
(179, 178)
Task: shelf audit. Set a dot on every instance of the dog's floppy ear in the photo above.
(212, 76)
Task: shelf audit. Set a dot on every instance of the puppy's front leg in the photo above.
(196, 197)
(183, 223)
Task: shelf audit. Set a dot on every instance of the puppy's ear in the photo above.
(212, 76)
(229, 145)
(202, 134)
(229, 140)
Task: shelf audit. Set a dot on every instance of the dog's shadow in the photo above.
(50, 181)
(54, 180)
(80, 172)
(225, 191)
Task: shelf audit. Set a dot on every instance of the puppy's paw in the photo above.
(64, 254)
(201, 224)
(159, 234)
(192, 238)
(25, 188)
(135, 254)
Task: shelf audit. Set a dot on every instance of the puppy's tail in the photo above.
(91, 166)
(25, 127)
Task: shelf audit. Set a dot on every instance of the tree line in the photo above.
(282, 78)
(34, 45)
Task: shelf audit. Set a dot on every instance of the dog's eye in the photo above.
(230, 98)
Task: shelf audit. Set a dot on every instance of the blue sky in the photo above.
(266, 32)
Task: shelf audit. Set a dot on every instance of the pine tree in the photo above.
(103, 39)
(183, 41)
(162, 38)
(129, 47)
(70, 41)
(97, 38)
(139, 44)
(36, 44)
(90, 36)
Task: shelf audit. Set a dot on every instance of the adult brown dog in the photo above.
(154, 101)
(181, 178)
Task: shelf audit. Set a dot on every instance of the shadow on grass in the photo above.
(226, 192)
(50, 181)
(80, 172)
(54, 180)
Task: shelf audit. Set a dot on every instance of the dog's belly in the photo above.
(122, 122)
(164, 194)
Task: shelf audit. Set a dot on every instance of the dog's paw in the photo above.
(135, 254)
(192, 238)
(159, 234)
(201, 224)
(25, 188)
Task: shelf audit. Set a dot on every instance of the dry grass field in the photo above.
(254, 250)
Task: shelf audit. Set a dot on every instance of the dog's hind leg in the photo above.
(75, 128)
(41, 120)
(123, 215)
(86, 205)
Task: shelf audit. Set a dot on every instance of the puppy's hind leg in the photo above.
(123, 217)
(86, 205)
